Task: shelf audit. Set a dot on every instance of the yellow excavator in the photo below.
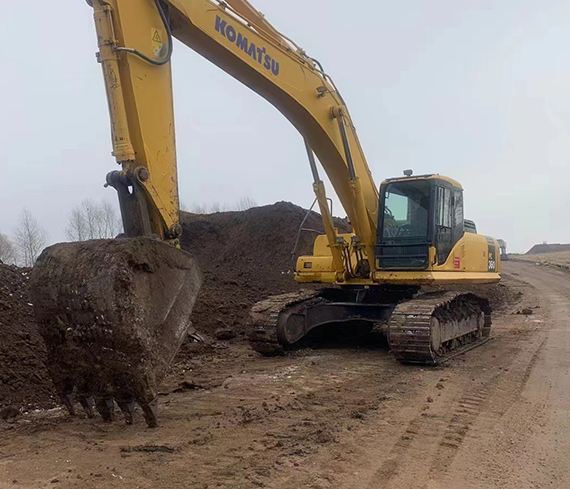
(113, 313)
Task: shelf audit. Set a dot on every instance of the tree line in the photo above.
(88, 220)
(242, 204)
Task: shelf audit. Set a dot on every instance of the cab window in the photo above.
(406, 210)
(444, 223)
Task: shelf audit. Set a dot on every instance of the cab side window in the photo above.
(458, 224)
(444, 224)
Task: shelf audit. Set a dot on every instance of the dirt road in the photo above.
(335, 417)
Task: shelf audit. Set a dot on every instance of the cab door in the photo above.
(443, 224)
(449, 221)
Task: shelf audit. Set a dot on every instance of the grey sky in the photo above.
(478, 90)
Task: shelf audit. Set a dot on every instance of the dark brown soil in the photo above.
(246, 257)
(24, 381)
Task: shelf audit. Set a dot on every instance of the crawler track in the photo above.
(430, 328)
(426, 329)
(265, 316)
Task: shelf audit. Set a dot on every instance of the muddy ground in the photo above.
(245, 257)
(24, 382)
(332, 415)
(558, 259)
(335, 416)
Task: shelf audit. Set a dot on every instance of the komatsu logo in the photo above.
(259, 54)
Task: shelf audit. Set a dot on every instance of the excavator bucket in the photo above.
(113, 314)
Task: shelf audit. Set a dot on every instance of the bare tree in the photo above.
(93, 221)
(242, 204)
(216, 207)
(76, 229)
(198, 209)
(30, 239)
(7, 250)
(110, 224)
(245, 203)
(92, 217)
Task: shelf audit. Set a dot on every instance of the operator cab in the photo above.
(416, 213)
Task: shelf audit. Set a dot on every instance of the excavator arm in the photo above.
(113, 313)
(135, 40)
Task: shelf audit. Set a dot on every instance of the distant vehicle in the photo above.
(503, 246)
(470, 226)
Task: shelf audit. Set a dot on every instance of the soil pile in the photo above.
(547, 248)
(245, 257)
(24, 381)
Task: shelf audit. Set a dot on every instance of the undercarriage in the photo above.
(422, 328)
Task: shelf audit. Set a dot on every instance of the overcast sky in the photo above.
(478, 90)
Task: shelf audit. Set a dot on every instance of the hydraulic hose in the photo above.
(156, 62)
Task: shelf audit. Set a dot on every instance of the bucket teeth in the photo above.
(127, 407)
(149, 410)
(106, 408)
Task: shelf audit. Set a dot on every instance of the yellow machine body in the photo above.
(474, 258)
(135, 42)
(111, 331)
(472, 251)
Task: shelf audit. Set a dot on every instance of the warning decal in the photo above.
(157, 43)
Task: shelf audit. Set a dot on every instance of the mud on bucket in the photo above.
(113, 314)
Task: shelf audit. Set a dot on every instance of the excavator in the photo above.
(113, 313)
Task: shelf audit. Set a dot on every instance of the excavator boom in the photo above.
(236, 38)
(113, 313)
(123, 306)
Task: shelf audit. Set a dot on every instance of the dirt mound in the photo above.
(24, 380)
(246, 257)
(547, 248)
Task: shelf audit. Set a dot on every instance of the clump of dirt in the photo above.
(245, 257)
(113, 313)
(24, 381)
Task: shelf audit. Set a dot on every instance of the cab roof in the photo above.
(434, 176)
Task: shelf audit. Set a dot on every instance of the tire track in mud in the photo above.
(423, 426)
(433, 437)
(510, 444)
(493, 401)
(430, 443)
